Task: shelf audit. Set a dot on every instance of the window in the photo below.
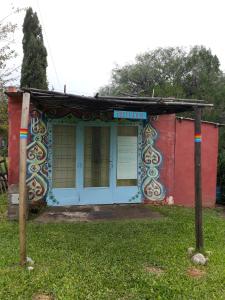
(64, 156)
(127, 155)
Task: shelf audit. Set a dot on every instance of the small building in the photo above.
(109, 150)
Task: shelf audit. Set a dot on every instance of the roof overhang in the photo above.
(51, 100)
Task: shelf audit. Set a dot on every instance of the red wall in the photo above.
(184, 163)
(165, 126)
(14, 111)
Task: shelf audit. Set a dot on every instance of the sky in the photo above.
(86, 39)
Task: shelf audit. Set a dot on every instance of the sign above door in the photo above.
(124, 114)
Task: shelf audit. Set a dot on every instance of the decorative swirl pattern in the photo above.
(150, 156)
(149, 134)
(152, 189)
(36, 152)
(37, 168)
(37, 187)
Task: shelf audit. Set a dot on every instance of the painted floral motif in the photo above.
(149, 134)
(37, 168)
(150, 156)
(36, 152)
(152, 189)
(37, 187)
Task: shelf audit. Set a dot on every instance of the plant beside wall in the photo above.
(3, 124)
(221, 165)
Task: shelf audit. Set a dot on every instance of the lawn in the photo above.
(114, 260)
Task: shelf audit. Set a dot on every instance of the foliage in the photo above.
(3, 121)
(3, 205)
(3, 115)
(169, 72)
(109, 260)
(6, 52)
(7, 73)
(33, 73)
(221, 162)
(174, 72)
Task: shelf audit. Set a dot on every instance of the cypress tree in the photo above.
(33, 72)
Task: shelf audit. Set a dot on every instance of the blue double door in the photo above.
(94, 164)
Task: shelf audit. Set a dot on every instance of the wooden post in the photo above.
(198, 182)
(22, 177)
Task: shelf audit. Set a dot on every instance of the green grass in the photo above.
(3, 205)
(107, 260)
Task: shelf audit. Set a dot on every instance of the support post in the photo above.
(198, 182)
(22, 177)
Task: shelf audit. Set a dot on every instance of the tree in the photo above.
(174, 72)
(159, 70)
(6, 51)
(170, 72)
(33, 73)
(6, 54)
(7, 73)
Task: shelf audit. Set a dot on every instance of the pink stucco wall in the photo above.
(165, 126)
(14, 112)
(184, 163)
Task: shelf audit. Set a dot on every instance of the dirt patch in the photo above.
(42, 297)
(96, 213)
(196, 273)
(154, 270)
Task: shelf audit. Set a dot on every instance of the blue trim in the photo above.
(101, 195)
(79, 158)
(135, 115)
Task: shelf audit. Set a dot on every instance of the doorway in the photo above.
(94, 163)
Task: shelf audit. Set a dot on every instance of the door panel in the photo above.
(127, 155)
(64, 165)
(127, 165)
(96, 156)
(97, 166)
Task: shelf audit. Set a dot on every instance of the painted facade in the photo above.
(165, 164)
(39, 156)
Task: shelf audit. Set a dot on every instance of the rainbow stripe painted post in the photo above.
(198, 182)
(198, 138)
(23, 133)
(22, 177)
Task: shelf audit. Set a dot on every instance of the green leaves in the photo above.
(175, 72)
(33, 73)
(170, 72)
(7, 53)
